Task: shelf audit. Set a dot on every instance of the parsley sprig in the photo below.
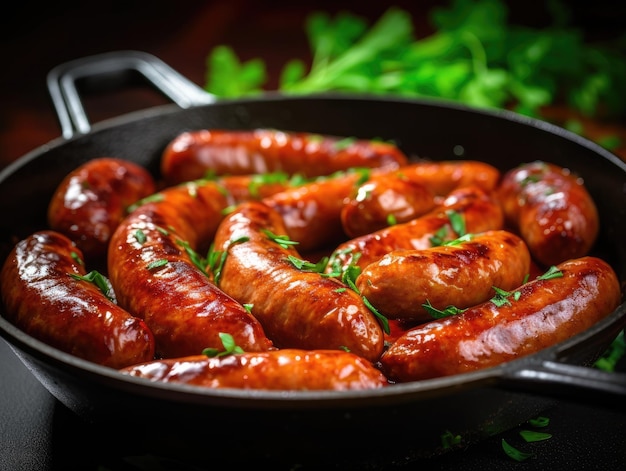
(474, 55)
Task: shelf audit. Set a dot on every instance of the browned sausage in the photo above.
(287, 369)
(312, 212)
(552, 210)
(478, 209)
(298, 308)
(446, 176)
(192, 155)
(462, 275)
(385, 200)
(46, 295)
(537, 315)
(91, 201)
(155, 278)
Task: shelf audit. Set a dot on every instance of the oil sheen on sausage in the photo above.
(195, 154)
(479, 210)
(298, 308)
(42, 298)
(539, 314)
(552, 210)
(92, 200)
(461, 274)
(156, 279)
(287, 369)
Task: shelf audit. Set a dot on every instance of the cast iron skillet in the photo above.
(400, 423)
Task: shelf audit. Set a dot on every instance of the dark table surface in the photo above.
(39, 433)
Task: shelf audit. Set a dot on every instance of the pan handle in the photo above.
(61, 82)
(581, 384)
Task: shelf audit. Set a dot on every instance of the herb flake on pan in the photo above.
(514, 453)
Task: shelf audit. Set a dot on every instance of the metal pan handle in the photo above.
(575, 383)
(61, 82)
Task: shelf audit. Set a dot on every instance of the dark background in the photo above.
(36, 37)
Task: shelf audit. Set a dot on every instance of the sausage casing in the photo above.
(462, 275)
(92, 200)
(287, 369)
(298, 308)
(539, 314)
(551, 209)
(384, 200)
(193, 154)
(42, 298)
(156, 279)
(479, 210)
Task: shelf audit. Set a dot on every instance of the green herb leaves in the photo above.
(474, 55)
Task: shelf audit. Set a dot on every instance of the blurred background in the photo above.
(33, 39)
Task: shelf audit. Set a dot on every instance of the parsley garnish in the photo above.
(553, 272)
(439, 314)
(283, 240)
(230, 348)
(99, 280)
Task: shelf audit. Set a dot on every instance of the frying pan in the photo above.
(398, 424)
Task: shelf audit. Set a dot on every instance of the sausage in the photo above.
(287, 369)
(311, 212)
(541, 313)
(45, 295)
(156, 279)
(92, 200)
(479, 210)
(552, 210)
(297, 308)
(461, 275)
(385, 200)
(192, 155)
(445, 176)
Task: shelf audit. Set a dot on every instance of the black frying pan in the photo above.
(395, 425)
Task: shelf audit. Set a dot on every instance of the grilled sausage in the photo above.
(478, 209)
(46, 294)
(443, 177)
(92, 200)
(287, 369)
(297, 308)
(461, 275)
(192, 155)
(311, 212)
(156, 279)
(541, 313)
(385, 200)
(551, 209)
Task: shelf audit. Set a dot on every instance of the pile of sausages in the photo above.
(275, 260)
